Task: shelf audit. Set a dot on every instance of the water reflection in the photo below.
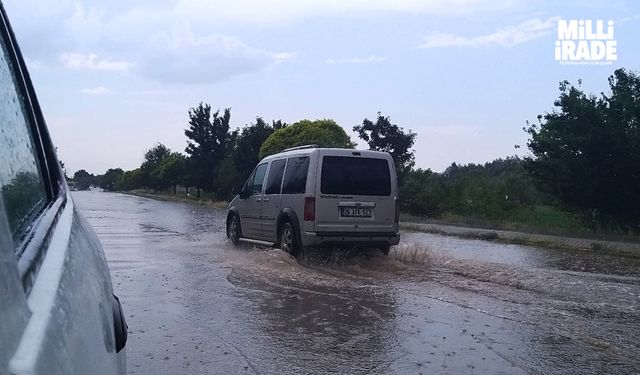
(325, 328)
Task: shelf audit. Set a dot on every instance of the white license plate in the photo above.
(355, 211)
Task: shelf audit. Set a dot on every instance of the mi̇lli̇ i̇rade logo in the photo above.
(586, 42)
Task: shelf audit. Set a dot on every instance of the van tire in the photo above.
(233, 230)
(288, 240)
(385, 249)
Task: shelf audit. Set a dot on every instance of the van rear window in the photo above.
(346, 175)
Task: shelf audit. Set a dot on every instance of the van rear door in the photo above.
(356, 193)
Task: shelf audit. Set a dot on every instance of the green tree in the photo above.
(150, 167)
(325, 133)
(109, 181)
(130, 180)
(587, 151)
(172, 170)
(382, 135)
(249, 142)
(209, 141)
(83, 179)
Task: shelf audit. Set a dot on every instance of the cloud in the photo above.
(77, 60)
(270, 11)
(505, 37)
(356, 60)
(280, 57)
(96, 91)
(184, 57)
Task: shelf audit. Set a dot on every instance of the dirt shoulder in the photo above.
(506, 236)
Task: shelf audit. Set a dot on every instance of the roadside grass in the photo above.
(544, 220)
(205, 199)
(414, 253)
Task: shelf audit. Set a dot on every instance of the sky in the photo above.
(116, 77)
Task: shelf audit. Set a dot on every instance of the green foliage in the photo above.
(325, 133)
(83, 179)
(250, 139)
(587, 152)
(130, 180)
(499, 192)
(208, 143)
(228, 177)
(151, 166)
(385, 136)
(109, 181)
(171, 170)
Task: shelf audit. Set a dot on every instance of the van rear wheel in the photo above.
(233, 230)
(288, 240)
(385, 249)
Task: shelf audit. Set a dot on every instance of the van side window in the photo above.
(295, 178)
(21, 182)
(274, 180)
(258, 179)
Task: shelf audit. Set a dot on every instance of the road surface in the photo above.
(436, 305)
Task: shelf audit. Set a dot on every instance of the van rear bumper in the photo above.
(355, 238)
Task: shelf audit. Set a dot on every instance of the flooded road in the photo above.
(197, 305)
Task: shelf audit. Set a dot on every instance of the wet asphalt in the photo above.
(436, 305)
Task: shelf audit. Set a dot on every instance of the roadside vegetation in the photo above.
(582, 176)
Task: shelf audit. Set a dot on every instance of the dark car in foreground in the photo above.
(58, 313)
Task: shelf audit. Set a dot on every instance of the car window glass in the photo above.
(355, 176)
(246, 189)
(258, 179)
(295, 177)
(21, 182)
(274, 180)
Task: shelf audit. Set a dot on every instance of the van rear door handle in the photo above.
(258, 199)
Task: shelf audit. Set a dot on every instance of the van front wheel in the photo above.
(288, 240)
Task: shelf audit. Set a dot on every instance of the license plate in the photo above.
(355, 212)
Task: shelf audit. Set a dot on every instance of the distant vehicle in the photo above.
(309, 196)
(58, 313)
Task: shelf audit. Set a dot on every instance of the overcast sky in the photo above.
(114, 77)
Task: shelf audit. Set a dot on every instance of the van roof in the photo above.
(328, 151)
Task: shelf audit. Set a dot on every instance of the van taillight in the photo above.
(397, 218)
(309, 209)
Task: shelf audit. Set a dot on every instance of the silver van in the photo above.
(308, 196)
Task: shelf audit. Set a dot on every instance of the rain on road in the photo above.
(197, 305)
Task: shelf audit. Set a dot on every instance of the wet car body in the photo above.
(58, 313)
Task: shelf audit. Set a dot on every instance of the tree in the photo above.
(172, 170)
(130, 180)
(385, 136)
(208, 143)
(249, 142)
(587, 151)
(324, 133)
(150, 167)
(82, 179)
(109, 180)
